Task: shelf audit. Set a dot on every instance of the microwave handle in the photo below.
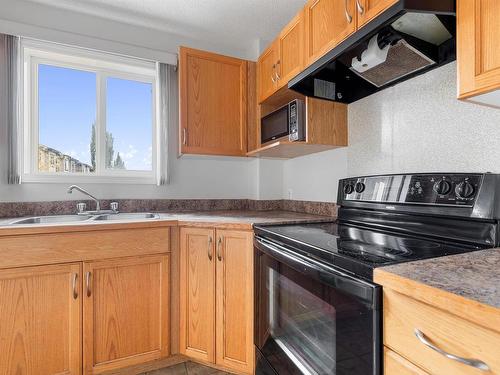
(368, 293)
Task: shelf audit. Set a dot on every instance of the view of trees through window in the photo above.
(52, 160)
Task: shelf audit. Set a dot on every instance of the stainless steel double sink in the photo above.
(62, 219)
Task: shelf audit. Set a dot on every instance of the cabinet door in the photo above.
(126, 312)
(369, 9)
(40, 320)
(235, 348)
(291, 50)
(197, 294)
(394, 364)
(328, 22)
(266, 72)
(213, 103)
(478, 55)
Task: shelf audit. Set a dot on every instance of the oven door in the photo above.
(311, 318)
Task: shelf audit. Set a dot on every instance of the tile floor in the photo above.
(188, 368)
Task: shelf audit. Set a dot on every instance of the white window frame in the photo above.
(104, 65)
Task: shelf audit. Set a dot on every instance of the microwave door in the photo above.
(275, 125)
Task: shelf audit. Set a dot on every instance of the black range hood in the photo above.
(409, 38)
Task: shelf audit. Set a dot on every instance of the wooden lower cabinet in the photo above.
(394, 364)
(197, 293)
(403, 315)
(40, 320)
(216, 279)
(126, 312)
(234, 300)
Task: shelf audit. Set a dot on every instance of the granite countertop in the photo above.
(242, 219)
(474, 275)
(249, 217)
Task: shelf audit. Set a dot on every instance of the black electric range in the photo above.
(317, 308)
(358, 250)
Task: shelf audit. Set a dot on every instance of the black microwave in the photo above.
(287, 121)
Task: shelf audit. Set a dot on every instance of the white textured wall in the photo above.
(416, 126)
(314, 177)
(421, 126)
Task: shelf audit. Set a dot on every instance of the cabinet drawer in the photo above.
(394, 364)
(403, 315)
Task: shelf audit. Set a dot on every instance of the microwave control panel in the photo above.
(296, 121)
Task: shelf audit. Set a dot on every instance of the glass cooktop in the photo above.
(357, 249)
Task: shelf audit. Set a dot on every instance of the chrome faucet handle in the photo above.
(114, 206)
(81, 207)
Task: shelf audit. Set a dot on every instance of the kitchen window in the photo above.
(87, 116)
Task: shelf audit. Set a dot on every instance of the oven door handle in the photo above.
(365, 291)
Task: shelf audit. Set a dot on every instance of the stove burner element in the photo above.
(356, 247)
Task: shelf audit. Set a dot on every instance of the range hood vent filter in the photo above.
(401, 59)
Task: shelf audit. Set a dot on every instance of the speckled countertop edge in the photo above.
(210, 217)
(474, 275)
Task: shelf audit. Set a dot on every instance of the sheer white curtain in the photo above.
(11, 61)
(167, 117)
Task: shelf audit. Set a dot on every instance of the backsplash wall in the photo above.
(416, 126)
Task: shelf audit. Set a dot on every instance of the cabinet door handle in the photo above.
(219, 249)
(210, 255)
(75, 286)
(184, 136)
(361, 10)
(273, 74)
(466, 361)
(88, 275)
(347, 15)
(278, 76)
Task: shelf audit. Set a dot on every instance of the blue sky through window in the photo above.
(67, 110)
(130, 120)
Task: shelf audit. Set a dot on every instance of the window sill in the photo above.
(147, 179)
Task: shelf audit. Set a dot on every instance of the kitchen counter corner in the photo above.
(466, 284)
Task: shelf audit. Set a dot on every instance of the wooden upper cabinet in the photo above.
(197, 294)
(126, 312)
(40, 320)
(234, 296)
(266, 71)
(291, 50)
(283, 59)
(478, 52)
(213, 103)
(370, 9)
(327, 23)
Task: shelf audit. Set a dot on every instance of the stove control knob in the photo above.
(348, 189)
(442, 187)
(465, 189)
(359, 187)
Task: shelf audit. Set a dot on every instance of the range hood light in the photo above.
(371, 57)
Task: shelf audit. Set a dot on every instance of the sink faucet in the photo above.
(83, 191)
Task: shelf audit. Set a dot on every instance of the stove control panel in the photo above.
(429, 189)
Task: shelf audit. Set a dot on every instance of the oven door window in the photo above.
(307, 327)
